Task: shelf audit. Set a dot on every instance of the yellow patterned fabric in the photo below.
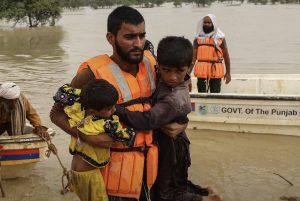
(74, 113)
(95, 156)
(71, 90)
(89, 185)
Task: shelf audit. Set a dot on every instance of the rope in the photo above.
(1, 186)
(207, 84)
(284, 179)
(147, 192)
(66, 186)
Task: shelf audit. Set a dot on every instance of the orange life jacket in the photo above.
(209, 63)
(123, 176)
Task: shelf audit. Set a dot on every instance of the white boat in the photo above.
(250, 104)
(19, 154)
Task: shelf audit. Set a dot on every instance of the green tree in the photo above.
(158, 2)
(33, 12)
(203, 3)
(73, 4)
(177, 3)
(101, 3)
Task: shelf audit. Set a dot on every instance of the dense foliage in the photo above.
(32, 12)
(152, 3)
(47, 12)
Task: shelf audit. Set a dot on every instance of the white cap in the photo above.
(9, 90)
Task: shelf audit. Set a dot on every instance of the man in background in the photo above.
(210, 53)
(15, 108)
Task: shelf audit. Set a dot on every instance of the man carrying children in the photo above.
(131, 71)
(131, 171)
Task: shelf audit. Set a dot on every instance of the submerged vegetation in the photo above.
(46, 12)
(264, 2)
(153, 3)
(32, 12)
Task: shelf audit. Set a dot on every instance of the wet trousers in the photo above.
(172, 180)
(205, 85)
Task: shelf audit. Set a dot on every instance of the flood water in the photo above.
(261, 40)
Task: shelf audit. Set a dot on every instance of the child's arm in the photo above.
(160, 114)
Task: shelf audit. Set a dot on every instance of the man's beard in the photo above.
(208, 29)
(5, 106)
(126, 55)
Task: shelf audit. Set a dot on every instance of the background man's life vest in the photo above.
(209, 63)
(123, 176)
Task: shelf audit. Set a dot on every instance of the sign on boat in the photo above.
(250, 104)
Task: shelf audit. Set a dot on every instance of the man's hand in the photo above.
(173, 129)
(227, 78)
(41, 131)
(102, 140)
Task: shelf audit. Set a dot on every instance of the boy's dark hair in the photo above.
(149, 46)
(175, 52)
(120, 15)
(98, 94)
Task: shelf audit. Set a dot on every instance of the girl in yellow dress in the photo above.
(91, 111)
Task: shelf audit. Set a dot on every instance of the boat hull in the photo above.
(273, 106)
(245, 114)
(19, 154)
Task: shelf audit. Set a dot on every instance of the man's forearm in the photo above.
(227, 64)
(60, 119)
(226, 59)
(31, 113)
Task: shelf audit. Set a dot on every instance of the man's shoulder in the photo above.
(95, 62)
(98, 58)
(150, 56)
(223, 44)
(82, 77)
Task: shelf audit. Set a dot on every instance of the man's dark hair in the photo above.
(120, 15)
(175, 52)
(98, 94)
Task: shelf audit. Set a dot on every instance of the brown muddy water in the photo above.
(261, 40)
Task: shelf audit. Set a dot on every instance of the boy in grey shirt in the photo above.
(171, 104)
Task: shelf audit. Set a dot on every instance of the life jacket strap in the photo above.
(205, 44)
(141, 100)
(213, 62)
(130, 149)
